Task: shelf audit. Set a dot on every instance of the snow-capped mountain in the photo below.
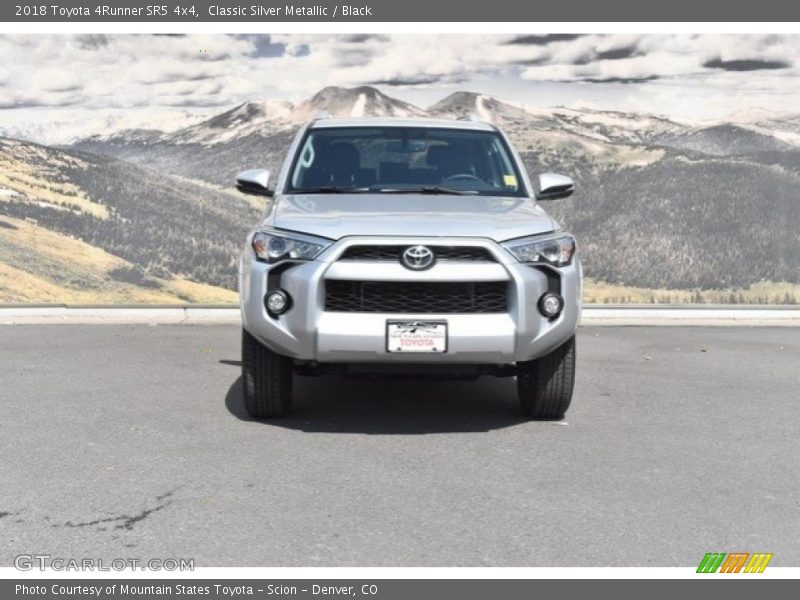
(782, 125)
(606, 126)
(459, 105)
(364, 101)
(266, 118)
(591, 128)
(594, 130)
(785, 127)
(248, 118)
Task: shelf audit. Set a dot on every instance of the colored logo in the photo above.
(735, 562)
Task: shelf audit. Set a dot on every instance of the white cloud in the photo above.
(128, 71)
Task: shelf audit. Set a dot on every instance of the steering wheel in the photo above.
(462, 177)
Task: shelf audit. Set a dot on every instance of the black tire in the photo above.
(266, 379)
(545, 385)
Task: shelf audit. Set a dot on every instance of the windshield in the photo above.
(404, 160)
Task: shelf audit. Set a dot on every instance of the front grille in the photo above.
(415, 297)
(462, 253)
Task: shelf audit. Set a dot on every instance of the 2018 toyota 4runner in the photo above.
(402, 247)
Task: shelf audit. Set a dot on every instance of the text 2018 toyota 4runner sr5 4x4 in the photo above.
(406, 246)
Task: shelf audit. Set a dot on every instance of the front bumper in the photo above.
(308, 332)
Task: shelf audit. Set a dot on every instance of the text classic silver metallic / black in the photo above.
(405, 247)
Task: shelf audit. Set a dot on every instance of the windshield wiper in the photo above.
(428, 189)
(332, 189)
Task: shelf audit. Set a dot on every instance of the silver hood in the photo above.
(335, 216)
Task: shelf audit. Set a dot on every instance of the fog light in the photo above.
(277, 302)
(550, 305)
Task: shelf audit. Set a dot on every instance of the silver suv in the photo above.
(407, 247)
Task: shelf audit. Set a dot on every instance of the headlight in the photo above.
(557, 250)
(272, 247)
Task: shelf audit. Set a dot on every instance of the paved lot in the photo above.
(130, 441)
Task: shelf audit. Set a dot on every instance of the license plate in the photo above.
(428, 337)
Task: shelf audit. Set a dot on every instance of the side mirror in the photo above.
(553, 186)
(255, 182)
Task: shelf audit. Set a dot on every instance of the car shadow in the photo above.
(334, 404)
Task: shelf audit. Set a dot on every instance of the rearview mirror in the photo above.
(255, 181)
(553, 186)
(405, 146)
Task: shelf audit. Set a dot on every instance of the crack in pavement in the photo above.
(125, 521)
(129, 522)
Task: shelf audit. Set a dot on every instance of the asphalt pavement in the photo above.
(132, 441)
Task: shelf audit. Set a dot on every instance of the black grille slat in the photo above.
(392, 252)
(416, 297)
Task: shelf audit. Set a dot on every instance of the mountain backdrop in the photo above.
(665, 211)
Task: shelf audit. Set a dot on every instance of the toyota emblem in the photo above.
(418, 258)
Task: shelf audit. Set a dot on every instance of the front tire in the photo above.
(545, 385)
(266, 379)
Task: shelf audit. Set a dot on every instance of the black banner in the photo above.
(731, 588)
(266, 11)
